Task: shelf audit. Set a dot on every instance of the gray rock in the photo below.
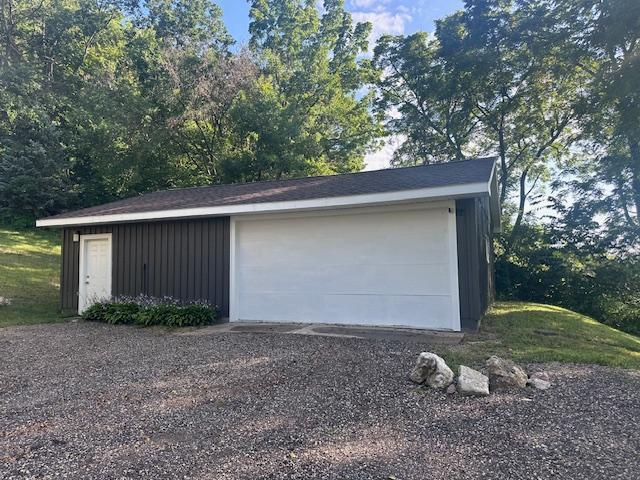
(432, 370)
(541, 376)
(505, 374)
(472, 382)
(451, 389)
(539, 384)
(539, 381)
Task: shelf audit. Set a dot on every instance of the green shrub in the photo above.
(115, 313)
(148, 311)
(122, 313)
(172, 315)
(96, 312)
(154, 315)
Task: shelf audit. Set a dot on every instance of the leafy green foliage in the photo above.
(305, 115)
(32, 166)
(148, 312)
(543, 269)
(487, 84)
(108, 99)
(434, 112)
(172, 315)
(603, 39)
(116, 313)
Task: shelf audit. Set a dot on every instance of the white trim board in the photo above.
(394, 207)
(233, 294)
(81, 265)
(453, 265)
(387, 198)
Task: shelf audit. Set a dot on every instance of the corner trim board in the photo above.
(233, 295)
(453, 266)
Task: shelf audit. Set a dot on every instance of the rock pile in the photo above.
(500, 375)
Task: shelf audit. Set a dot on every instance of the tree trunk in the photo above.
(515, 232)
(504, 173)
(634, 148)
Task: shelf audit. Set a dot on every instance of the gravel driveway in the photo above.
(94, 401)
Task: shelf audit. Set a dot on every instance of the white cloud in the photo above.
(367, 3)
(382, 158)
(383, 22)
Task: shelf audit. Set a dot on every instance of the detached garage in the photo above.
(403, 247)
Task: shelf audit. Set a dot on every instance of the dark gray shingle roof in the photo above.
(377, 181)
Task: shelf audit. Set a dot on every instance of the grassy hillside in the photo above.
(531, 332)
(29, 276)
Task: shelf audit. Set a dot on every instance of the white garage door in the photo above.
(384, 267)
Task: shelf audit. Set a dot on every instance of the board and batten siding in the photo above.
(183, 259)
(475, 260)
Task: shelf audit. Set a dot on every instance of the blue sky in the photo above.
(387, 16)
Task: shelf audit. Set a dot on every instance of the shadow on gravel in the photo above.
(138, 403)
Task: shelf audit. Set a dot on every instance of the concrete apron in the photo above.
(331, 330)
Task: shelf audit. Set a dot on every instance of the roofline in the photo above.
(493, 158)
(393, 197)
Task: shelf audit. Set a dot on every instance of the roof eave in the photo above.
(386, 198)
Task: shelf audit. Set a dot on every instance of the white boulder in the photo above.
(432, 370)
(472, 382)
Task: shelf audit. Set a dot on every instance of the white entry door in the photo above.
(95, 269)
(387, 266)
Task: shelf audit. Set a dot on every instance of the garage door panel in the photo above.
(400, 252)
(428, 279)
(397, 240)
(388, 267)
(414, 311)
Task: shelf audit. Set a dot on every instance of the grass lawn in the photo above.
(531, 332)
(526, 332)
(29, 276)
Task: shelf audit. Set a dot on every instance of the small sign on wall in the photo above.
(76, 237)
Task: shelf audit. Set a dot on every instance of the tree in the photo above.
(45, 62)
(307, 114)
(424, 99)
(204, 90)
(33, 168)
(186, 23)
(487, 85)
(91, 74)
(603, 39)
